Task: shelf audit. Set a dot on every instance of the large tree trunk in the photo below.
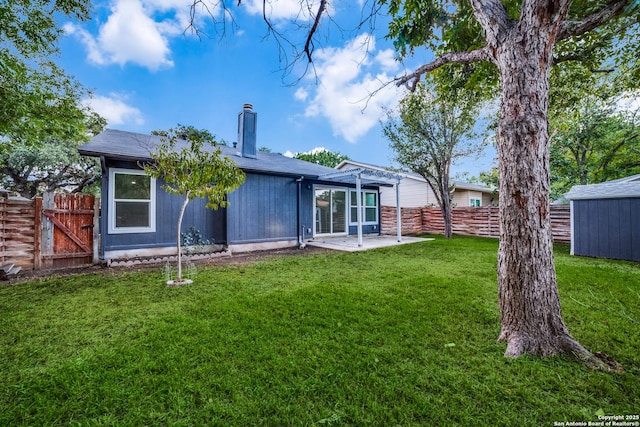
(445, 208)
(528, 292)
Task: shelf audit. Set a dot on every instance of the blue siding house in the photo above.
(283, 201)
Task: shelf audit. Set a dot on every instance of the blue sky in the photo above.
(146, 73)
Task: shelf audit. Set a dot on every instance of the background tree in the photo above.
(490, 178)
(594, 148)
(430, 133)
(596, 140)
(190, 131)
(192, 169)
(322, 156)
(55, 163)
(37, 99)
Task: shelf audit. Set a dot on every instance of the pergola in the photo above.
(361, 176)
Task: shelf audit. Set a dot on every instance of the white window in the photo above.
(369, 206)
(474, 202)
(132, 204)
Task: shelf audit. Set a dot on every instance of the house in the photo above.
(282, 203)
(416, 193)
(604, 219)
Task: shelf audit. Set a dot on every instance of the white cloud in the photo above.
(301, 94)
(386, 59)
(137, 32)
(93, 50)
(114, 109)
(352, 94)
(280, 10)
(315, 150)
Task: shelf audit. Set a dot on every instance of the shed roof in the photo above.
(628, 187)
(122, 145)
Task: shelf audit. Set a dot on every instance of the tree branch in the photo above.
(308, 46)
(411, 80)
(492, 17)
(573, 28)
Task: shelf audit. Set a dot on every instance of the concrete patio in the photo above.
(350, 243)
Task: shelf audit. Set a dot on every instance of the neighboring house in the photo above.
(604, 219)
(282, 202)
(416, 193)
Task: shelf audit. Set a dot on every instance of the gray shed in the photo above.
(605, 219)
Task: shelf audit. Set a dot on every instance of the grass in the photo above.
(396, 336)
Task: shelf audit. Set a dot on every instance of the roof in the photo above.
(628, 187)
(474, 187)
(122, 145)
(362, 165)
(411, 175)
(366, 176)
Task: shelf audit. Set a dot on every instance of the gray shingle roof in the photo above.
(616, 189)
(122, 145)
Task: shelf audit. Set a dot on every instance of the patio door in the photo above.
(330, 211)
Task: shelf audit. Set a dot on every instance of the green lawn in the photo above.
(395, 336)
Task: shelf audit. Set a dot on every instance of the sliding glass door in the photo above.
(330, 211)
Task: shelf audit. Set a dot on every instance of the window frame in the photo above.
(112, 229)
(475, 205)
(332, 190)
(354, 221)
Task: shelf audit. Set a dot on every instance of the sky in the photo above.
(147, 73)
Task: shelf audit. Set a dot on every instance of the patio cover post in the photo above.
(359, 208)
(398, 212)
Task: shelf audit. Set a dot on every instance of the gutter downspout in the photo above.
(398, 213)
(104, 214)
(359, 207)
(301, 244)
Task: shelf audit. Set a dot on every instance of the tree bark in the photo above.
(531, 317)
(445, 208)
(182, 209)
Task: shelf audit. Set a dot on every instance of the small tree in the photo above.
(191, 170)
(432, 131)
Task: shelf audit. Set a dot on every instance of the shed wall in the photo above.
(607, 228)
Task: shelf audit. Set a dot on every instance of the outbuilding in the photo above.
(605, 219)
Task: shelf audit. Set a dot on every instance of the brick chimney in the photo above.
(247, 129)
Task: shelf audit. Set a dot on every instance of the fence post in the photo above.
(96, 230)
(37, 234)
(46, 243)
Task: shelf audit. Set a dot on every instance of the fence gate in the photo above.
(69, 230)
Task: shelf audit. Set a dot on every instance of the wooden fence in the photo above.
(50, 232)
(468, 221)
(19, 241)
